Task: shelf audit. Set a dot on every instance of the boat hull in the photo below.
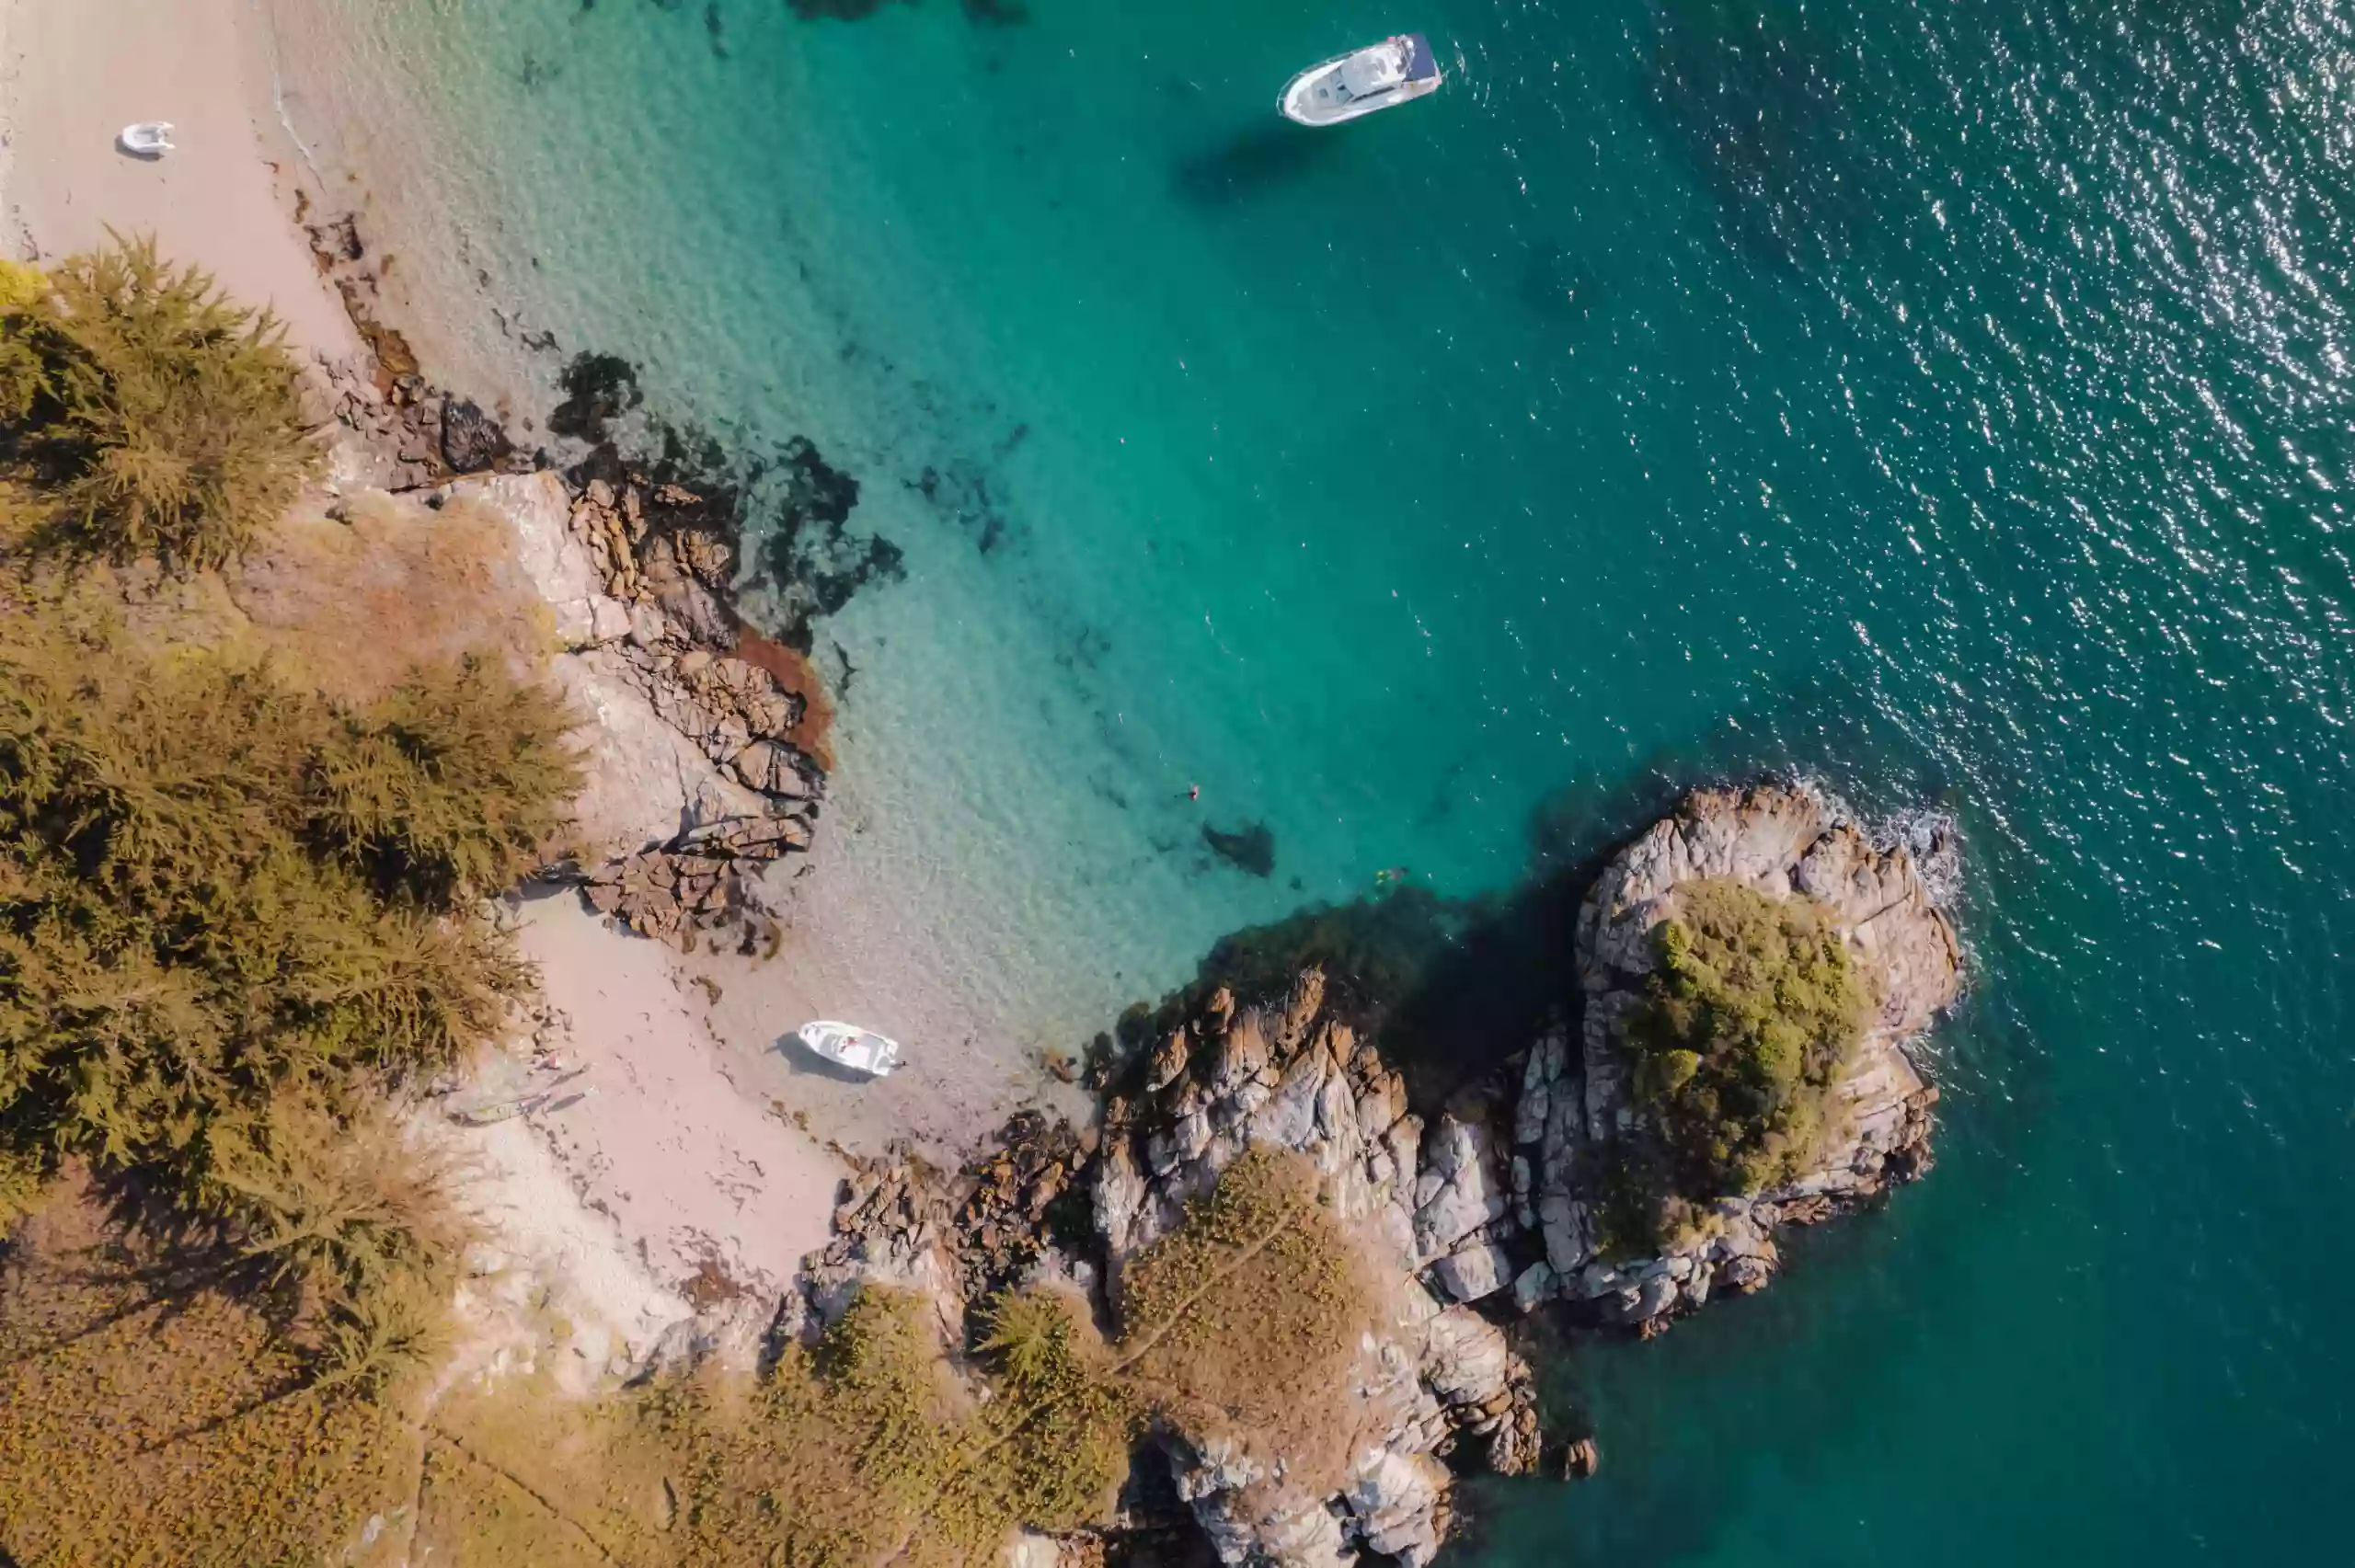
(847, 1045)
(1318, 95)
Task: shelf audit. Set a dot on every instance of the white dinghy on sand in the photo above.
(148, 138)
(1379, 76)
(847, 1045)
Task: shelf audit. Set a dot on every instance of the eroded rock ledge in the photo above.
(707, 754)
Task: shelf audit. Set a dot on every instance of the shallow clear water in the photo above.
(1952, 401)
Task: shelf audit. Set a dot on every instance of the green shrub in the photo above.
(1745, 1027)
(156, 417)
(201, 981)
(449, 784)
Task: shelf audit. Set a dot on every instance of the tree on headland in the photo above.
(1745, 1027)
(151, 415)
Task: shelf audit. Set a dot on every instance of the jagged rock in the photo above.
(1460, 1190)
(1533, 1287)
(1289, 1074)
(1473, 1271)
(893, 1226)
(1574, 1096)
(471, 439)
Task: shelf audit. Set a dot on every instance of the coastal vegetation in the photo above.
(142, 412)
(230, 911)
(877, 1446)
(238, 913)
(1743, 1032)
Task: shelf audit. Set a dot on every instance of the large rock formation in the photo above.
(698, 767)
(1491, 1200)
(1783, 841)
(1292, 1075)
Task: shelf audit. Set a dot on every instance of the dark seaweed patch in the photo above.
(961, 491)
(813, 560)
(598, 389)
(1251, 848)
(1751, 90)
(792, 502)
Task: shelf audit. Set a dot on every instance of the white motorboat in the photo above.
(1379, 76)
(148, 138)
(847, 1045)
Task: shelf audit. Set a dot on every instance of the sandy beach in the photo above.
(692, 1152)
(76, 72)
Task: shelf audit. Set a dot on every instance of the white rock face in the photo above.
(1783, 841)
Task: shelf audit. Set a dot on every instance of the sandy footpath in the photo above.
(74, 73)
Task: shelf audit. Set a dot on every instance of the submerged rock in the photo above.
(1251, 848)
(471, 439)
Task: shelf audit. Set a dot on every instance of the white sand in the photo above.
(74, 73)
(693, 1168)
(649, 1186)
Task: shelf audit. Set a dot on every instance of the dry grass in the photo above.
(149, 1416)
(872, 1451)
(350, 607)
(1246, 1320)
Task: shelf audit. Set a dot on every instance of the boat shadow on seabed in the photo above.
(1250, 162)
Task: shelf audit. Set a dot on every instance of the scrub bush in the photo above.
(1744, 1029)
(872, 1448)
(207, 976)
(154, 417)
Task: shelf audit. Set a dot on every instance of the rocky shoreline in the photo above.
(708, 765)
(708, 749)
(1471, 1215)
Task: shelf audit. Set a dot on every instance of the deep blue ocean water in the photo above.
(1952, 401)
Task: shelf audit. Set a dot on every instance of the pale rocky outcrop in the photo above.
(1785, 841)
(1292, 1075)
(693, 776)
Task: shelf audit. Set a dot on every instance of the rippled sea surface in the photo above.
(1950, 400)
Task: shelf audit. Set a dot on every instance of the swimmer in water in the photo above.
(1193, 791)
(1390, 877)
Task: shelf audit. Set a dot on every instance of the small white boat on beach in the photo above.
(1348, 86)
(847, 1045)
(148, 138)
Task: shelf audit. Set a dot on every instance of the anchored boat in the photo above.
(847, 1045)
(1380, 76)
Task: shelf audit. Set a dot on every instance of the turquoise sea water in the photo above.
(1950, 400)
